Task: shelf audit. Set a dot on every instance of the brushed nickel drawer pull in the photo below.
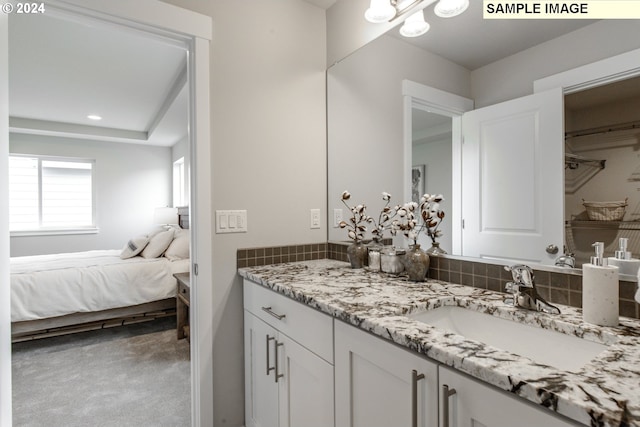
(269, 369)
(414, 396)
(446, 394)
(274, 314)
(278, 374)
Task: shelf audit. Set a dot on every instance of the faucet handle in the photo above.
(522, 275)
(511, 288)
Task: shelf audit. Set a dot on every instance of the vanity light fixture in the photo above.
(94, 117)
(380, 11)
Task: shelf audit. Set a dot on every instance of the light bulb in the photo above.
(450, 8)
(414, 25)
(380, 11)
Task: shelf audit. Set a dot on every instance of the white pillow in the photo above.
(179, 248)
(134, 246)
(158, 244)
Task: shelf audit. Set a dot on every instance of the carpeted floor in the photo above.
(136, 375)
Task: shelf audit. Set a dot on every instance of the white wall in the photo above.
(130, 181)
(5, 294)
(365, 119)
(268, 153)
(513, 77)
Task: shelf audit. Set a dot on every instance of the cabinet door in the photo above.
(261, 389)
(475, 404)
(306, 389)
(375, 383)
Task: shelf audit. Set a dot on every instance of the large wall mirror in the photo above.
(367, 137)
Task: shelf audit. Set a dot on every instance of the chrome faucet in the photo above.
(524, 291)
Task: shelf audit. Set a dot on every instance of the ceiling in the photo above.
(601, 95)
(62, 69)
(471, 41)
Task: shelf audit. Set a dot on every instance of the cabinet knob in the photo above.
(552, 249)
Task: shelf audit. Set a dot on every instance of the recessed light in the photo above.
(94, 117)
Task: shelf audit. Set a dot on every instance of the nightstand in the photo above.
(182, 304)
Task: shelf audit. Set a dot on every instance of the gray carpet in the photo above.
(136, 375)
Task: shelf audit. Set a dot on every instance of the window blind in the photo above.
(46, 193)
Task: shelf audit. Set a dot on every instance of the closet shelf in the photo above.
(611, 225)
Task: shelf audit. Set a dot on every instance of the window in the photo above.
(48, 193)
(179, 183)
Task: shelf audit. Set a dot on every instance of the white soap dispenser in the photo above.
(600, 290)
(623, 260)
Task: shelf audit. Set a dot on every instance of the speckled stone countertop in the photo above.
(604, 392)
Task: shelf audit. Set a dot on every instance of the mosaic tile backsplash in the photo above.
(559, 288)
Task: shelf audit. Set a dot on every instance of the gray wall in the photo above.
(513, 77)
(130, 181)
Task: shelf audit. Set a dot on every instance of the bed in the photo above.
(70, 292)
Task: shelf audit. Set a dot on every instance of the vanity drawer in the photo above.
(310, 328)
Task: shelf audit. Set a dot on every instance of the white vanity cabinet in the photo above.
(288, 362)
(380, 385)
(465, 402)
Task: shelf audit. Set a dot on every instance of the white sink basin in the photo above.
(565, 352)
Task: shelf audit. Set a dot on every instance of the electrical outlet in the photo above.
(315, 218)
(337, 217)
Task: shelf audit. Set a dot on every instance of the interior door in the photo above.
(513, 179)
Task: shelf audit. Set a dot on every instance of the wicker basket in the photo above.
(605, 211)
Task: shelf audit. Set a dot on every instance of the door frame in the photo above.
(417, 95)
(195, 30)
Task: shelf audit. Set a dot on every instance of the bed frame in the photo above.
(80, 322)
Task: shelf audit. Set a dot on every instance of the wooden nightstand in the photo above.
(182, 304)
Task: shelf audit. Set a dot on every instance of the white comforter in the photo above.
(54, 285)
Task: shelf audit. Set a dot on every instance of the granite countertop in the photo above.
(604, 392)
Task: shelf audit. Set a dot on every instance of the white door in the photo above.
(474, 404)
(513, 179)
(306, 389)
(261, 389)
(375, 383)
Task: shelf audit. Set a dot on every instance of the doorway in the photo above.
(602, 153)
(194, 30)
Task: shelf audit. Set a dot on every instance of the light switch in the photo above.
(232, 221)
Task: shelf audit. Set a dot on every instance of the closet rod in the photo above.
(603, 129)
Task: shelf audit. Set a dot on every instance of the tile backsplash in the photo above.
(254, 257)
(559, 288)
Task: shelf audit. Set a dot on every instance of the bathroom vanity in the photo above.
(325, 343)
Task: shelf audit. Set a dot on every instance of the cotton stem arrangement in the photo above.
(356, 226)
